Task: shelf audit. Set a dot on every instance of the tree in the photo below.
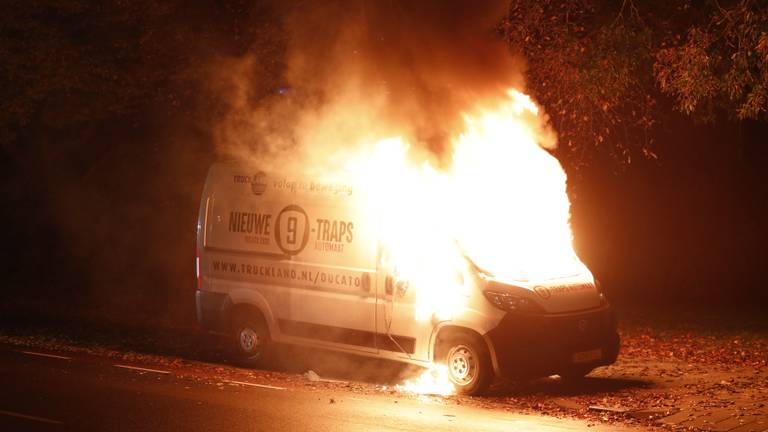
(722, 63)
(103, 123)
(79, 63)
(604, 70)
(73, 62)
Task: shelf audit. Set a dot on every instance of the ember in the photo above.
(434, 381)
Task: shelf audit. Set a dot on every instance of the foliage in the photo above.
(102, 137)
(79, 63)
(722, 63)
(72, 61)
(602, 68)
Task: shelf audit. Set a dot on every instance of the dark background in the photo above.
(688, 230)
(107, 135)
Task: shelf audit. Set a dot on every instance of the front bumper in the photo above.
(534, 345)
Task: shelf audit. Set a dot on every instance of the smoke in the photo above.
(359, 71)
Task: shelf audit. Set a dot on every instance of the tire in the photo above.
(469, 364)
(250, 339)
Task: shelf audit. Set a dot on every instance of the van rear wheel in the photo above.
(250, 340)
(468, 362)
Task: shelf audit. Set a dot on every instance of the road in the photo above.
(50, 391)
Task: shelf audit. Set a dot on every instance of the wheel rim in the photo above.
(249, 340)
(462, 365)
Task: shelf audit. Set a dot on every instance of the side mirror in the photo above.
(389, 285)
(402, 288)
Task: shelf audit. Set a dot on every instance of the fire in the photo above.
(433, 381)
(501, 202)
(411, 201)
(499, 205)
(513, 220)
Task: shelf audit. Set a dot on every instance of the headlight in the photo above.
(510, 302)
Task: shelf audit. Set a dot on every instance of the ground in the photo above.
(706, 374)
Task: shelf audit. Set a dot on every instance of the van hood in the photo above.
(566, 293)
(561, 295)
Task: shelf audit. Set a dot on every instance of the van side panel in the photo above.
(298, 250)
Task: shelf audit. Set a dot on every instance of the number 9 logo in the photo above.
(292, 229)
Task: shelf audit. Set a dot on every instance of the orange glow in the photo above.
(433, 381)
(515, 223)
(501, 201)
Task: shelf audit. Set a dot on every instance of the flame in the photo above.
(411, 200)
(501, 202)
(517, 222)
(433, 381)
(499, 206)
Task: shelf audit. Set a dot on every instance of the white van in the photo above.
(286, 260)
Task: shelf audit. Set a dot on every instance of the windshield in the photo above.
(518, 271)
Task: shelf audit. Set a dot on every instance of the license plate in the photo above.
(588, 356)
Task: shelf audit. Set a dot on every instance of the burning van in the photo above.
(467, 266)
(292, 260)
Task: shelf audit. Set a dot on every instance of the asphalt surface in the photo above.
(49, 391)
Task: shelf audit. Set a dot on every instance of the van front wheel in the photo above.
(250, 339)
(468, 362)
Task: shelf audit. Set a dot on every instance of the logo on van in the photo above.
(259, 183)
(292, 230)
(543, 292)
